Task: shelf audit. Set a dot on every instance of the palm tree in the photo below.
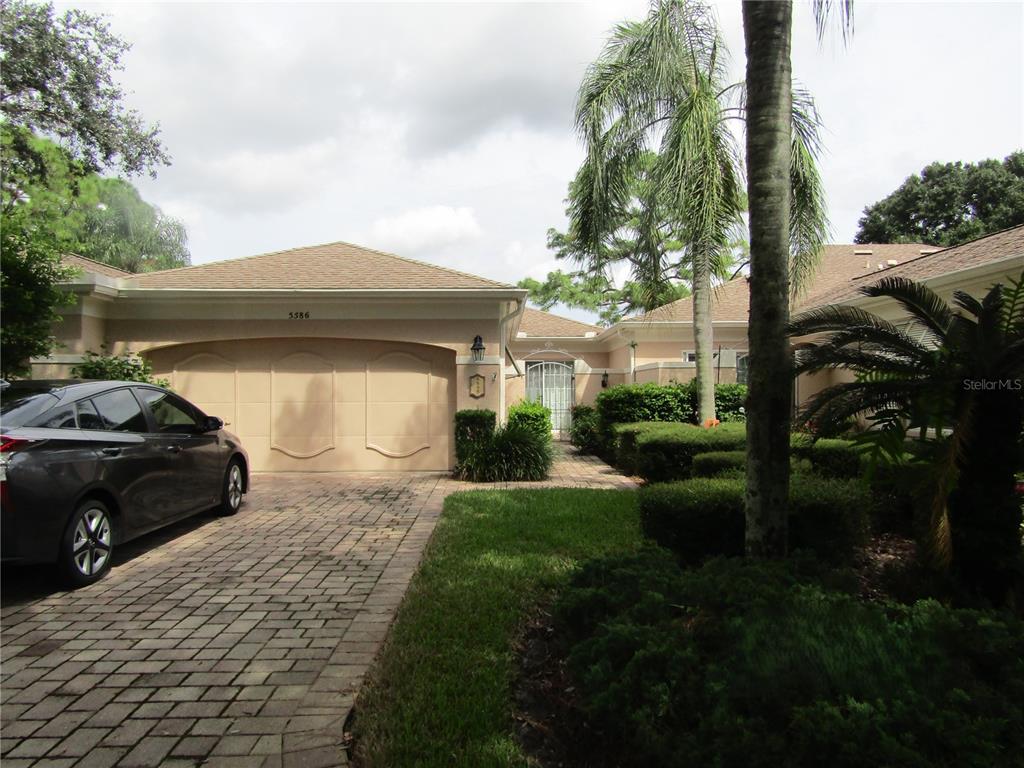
(660, 86)
(958, 371)
(773, 157)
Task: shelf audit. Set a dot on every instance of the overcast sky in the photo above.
(444, 132)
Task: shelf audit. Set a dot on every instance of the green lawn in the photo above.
(440, 693)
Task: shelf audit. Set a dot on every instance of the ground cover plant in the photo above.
(777, 664)
(440, 692)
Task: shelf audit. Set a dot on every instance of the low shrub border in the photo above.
(666, 452)
(510, 453)
(633, 403)
(705, 517)
(716, 463)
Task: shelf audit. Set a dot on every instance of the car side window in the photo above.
(171, 413)
(120, 411)
(58, 418)
(88, 418)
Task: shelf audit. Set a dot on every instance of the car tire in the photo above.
(233, 489)
(88, 544)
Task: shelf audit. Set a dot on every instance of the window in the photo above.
(171, 413)
(742, 362)
(119, 411)
(18, 406)
(689, 357)
(88, 418)
(58, 418)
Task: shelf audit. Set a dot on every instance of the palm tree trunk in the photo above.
(766, 30)
(703, 339)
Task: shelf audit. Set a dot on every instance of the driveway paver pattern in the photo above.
(235, 641)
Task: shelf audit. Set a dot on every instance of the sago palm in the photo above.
(660, 85)
(957, 374)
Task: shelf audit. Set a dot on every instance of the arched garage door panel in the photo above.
(324, 405)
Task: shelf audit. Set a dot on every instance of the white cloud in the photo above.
(428, 229)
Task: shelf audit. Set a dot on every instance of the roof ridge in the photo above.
(327, 245)
(563, 317)
(421, 263)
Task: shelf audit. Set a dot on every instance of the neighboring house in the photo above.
(340, 357)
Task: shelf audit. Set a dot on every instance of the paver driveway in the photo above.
(232, 641)
(226, 641)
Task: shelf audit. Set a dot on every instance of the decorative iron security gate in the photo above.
(551, 384)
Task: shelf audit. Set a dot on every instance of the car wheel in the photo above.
(88, 544)
(231, 495)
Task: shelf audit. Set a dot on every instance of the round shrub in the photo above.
(531, 415)
(584, 432)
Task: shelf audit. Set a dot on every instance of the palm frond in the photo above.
(1013, 307)
(836, 317)
(825, 9)
(920, 301)
(825, 356)
(808, 221)
(834, 406)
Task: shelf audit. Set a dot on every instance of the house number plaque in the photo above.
(476, 385)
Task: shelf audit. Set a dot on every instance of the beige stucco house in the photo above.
(337, 357)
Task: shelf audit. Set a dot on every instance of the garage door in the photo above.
(323, 405)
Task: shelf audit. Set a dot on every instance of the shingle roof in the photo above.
(839, 263)
(333, 266)
(96, 267)
(536, 322)
(995, 247)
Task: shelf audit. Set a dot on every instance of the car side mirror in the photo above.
(213, 423)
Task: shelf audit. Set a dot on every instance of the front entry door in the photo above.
(552, 384)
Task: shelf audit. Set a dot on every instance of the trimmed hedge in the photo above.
(715, 463)
(830, 458)
(757, 664)
(513, 452)
(472, 426)
(633, 403)
(666, 452)
(584, 431)
(705, 517)
(531, 415)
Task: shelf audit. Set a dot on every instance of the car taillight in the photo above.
(8, 445)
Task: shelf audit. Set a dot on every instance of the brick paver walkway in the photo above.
(226, 641)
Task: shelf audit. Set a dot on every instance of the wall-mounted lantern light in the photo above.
(478, 349)
(604, 380)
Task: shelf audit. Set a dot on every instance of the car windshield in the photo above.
(19, 405)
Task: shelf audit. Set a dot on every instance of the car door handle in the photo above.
(174, 448)
(110, 451)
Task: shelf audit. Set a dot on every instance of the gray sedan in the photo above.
(86, 465)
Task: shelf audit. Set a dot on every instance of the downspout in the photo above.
(519, 308)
